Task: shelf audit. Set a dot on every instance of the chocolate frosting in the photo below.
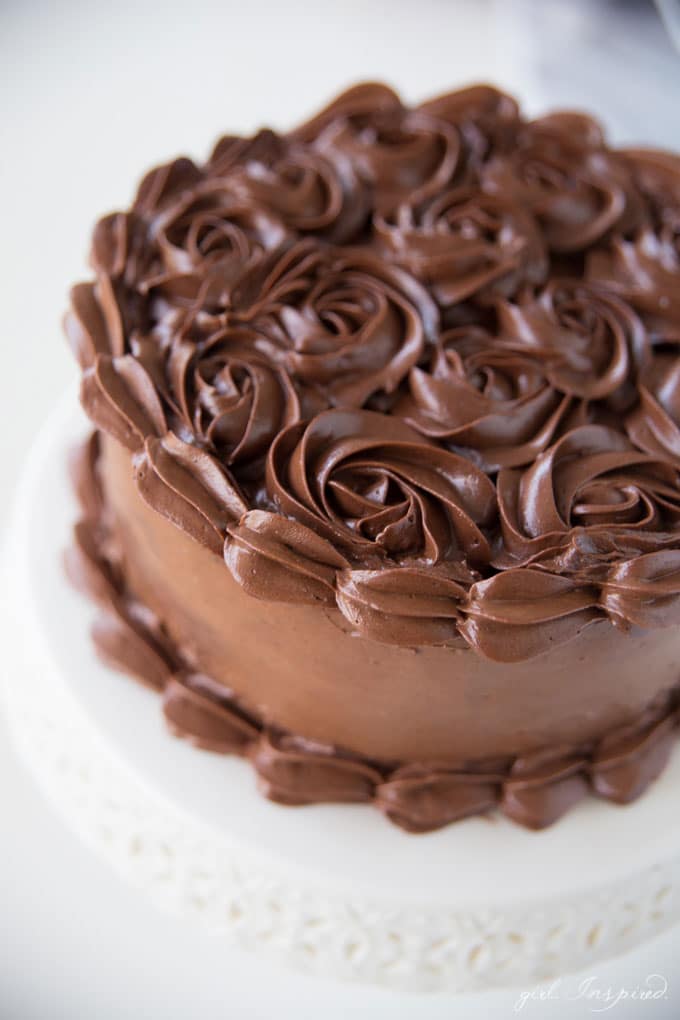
(489, 397)
(533, 790)
(465, 243)
(415, 364)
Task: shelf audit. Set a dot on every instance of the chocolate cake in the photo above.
(383, 490)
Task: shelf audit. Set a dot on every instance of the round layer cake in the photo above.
(384, 488)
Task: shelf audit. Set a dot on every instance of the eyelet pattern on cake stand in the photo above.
(332, 889)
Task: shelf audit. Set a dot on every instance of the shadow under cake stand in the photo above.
(333, 889)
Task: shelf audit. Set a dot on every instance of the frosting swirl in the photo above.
(482, 113)
(307, 190)
(342, 321)
(592, 342)
(591, 483)
(487, 398)
(643, 267)
(363, 100)
(644, 271)
(656, 174)
(204, 241)
(560, 170)
(229, 396)
(400, 153)
(654, 424)
(374, 488)
(465, 244)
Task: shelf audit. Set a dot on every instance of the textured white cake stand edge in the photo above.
(333, 890)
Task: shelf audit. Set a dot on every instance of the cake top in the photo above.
(417, 363)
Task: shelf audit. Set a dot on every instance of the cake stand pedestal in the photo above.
(332, 889)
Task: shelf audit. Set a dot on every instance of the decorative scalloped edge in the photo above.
(185, 869)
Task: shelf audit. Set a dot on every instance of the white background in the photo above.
(91, 94)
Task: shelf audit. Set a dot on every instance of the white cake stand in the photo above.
(333, 889)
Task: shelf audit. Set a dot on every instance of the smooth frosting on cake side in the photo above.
(428, 734)
(387, 473)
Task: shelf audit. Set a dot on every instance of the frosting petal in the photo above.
(520, 613)
(644, 271)
(87, 570)
(403, 605)
(645, 590)
(420, 799)
(87, 329)
(541, 788)
(654, 425)
(294, 771)
(128, 648)
(281, 560)
(482, 109)
(623, 769)
(120, 398)
(364, 99)
(197, 709)
(164, 183)
(190, 488)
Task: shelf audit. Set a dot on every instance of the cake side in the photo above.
(564, 742)
(305, 670)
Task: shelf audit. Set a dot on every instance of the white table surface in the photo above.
(91, 94)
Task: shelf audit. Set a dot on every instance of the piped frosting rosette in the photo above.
(416, 364)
